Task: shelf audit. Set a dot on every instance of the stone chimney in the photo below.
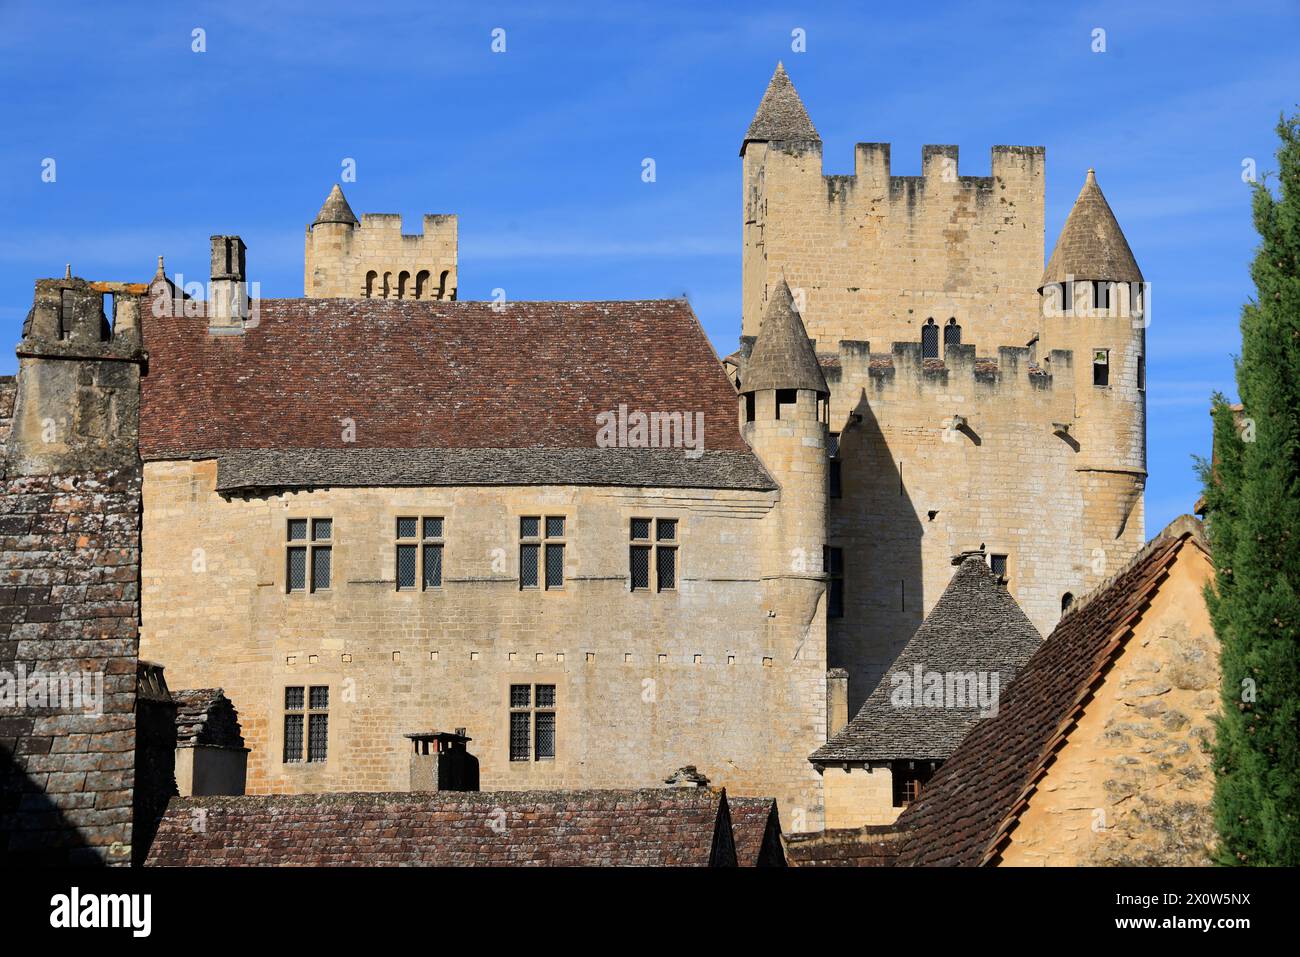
(837, 701)
(228, 286)
(441, 762)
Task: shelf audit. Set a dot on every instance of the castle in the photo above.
(379, 509)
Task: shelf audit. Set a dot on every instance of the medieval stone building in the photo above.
(565, 527)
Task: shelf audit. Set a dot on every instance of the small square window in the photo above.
(1101, 367)
(520, 696)
(297, 529)
(555, 526)
(998, 563)
(529, 527)
(640, 529)
(320, 697)
(433, 528)
(666, 530)
(322, 529)
(293, 699)
(406, 527)
(545, 696)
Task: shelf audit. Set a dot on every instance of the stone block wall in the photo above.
(723, 673)
(340, 257)
(69, 606)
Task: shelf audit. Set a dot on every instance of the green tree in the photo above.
(1252, 491)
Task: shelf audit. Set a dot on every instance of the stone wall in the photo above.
(896, 250)
(1133, 784)
(916, 491)
(725, 672)
(69, 606)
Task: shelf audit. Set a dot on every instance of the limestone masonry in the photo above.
(377, 514)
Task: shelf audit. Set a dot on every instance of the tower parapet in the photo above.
(77, 407)
(372, 258)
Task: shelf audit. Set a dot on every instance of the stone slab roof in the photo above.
(253, 469)
(975, 626)
(336, 209)
(783, 356)
(871, 846)
(654, 827)
(973, 800)
(366, 374)
(205, 716)
(1091, 245)
(781, 115)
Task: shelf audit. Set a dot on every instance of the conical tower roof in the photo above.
(336, 209)
(783, 358)
(1091, 245)
(781, 115)
(975, 626)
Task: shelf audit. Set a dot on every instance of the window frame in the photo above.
(421, 542)
(653, 544)
(834, 466)
(543, 541)
(1103, 364)
(306, 712)
(309, 545)
(530, 712)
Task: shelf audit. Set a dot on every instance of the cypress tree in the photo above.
(1252, 492)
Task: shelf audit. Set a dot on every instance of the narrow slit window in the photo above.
(834, 473)
(1101, 367)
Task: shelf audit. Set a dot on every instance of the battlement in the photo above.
(374, 258)
(1011, 167)
(1014, 369)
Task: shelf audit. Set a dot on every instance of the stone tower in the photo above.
(1094, 305)
(959, 414)
(78, 402)
(783, 404)
(373, 258)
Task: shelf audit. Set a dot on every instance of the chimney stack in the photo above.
(228, 286)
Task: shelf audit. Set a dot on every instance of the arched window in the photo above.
(951, 334)
(421, 283)
(403, 278)
(370, 283)
(1067, 601)
(388, 284)
(442, 284)
(929, 340)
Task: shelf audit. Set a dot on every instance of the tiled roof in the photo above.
(783, 356)
(871, 846)
(336, 209)
(974, 798)
(781, 115)
(1091, 245)
(656, 827)
(350, 374)
(756, 824)
(975, 626)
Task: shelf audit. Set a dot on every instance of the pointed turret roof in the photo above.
(1091, 245)
(783, 358)
(974, 626)
(336, 209)
(781, 116)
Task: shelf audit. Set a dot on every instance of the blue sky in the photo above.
(539, 149)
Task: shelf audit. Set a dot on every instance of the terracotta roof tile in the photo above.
(656, 827)
(427, 375)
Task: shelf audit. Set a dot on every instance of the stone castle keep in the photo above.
(379, 511)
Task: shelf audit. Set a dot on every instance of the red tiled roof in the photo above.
(975, 797)
(451, 375)
(656, 827)
(756, 824)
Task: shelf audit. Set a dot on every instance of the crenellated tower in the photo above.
(373, 259)
(961, 412)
